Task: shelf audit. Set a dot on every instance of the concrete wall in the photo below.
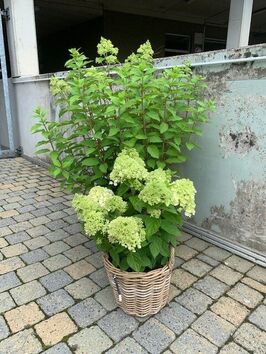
(3, 122)
(229, 168)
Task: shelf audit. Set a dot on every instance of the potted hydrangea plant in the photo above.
(120, 134)
(136, 227)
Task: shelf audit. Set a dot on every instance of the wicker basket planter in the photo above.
(140, 294)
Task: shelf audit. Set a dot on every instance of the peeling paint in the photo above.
(238, 142)
(246, 217)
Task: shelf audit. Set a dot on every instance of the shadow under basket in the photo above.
(139, 293)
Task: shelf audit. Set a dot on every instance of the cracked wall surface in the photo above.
(229, 169)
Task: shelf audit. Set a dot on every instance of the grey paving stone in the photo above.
(100, 277)
(251, 338)
(244, 294)
(27, 292)
(6, 302)
(238, 263)
(21, 343)
(197, 267)
(75, 240)
(258, 317)
(41, 211)
(41, 220)
(56, 224)
(57, 235)
(10, 264)
(211, 286)
(4, 331)
(91, 245)
(191, 342)
(184, 237)
(258, 273)
(176, 317)
(60, 348)
(17, 227)
(90, 341)
(214, 328)
(57, 215)
(106, 298)
(178, 262)
(34, 256)
(77, 253)
(208, 260)
(36, 242)
(56, 280)
(38, 231)
(86, 312)
(82, 288)
(197, 244)
(57, 207)
(232, 348)
(127, 346)
(217, 253)
(226, 274)
(118, 325)
(154, 336)
(17, 238)
(55, 302)
(185, 252)
(32, 272)
(56, 247)
(56, 262)
(96, 260)
(8, 281)
(194, 300)
(73, 229)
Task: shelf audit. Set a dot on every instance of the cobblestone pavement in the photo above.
(55, 297)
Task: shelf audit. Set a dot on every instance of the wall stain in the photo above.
(238, 142)
(246, 217)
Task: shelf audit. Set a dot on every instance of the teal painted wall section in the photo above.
(229, 169)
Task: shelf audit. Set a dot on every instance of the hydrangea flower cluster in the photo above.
(129, 168)
(183, 195)
(127, 231)
(102, 211)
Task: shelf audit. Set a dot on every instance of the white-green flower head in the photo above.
(127, 231)
(94, 222)
(84, 204)
(129, 168)
(156, 192)
(183, 195)
(100, 195)
(154, 212)
(160, 174)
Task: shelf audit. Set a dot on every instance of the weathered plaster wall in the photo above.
(229, 169)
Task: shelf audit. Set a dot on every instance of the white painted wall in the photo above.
(22, 40)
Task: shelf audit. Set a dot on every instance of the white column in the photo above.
(239, 23)
(22, 41)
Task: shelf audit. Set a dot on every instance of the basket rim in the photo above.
(168, 265)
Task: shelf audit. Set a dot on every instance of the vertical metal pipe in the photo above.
(6, 88)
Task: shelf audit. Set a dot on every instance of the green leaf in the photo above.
(42, 151)
(54, 157)
(152, 226)
(90, 162)
(154, 139)
(169, 227)
(122, 189)
(103, 167)
(153, 151)
(163, 127)
(113, 131)
(153, 115)
(155, 246)
(136, 203)
(190, 146)
(134, 261)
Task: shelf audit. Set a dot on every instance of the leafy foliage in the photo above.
(126, 226)
(105, 109)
